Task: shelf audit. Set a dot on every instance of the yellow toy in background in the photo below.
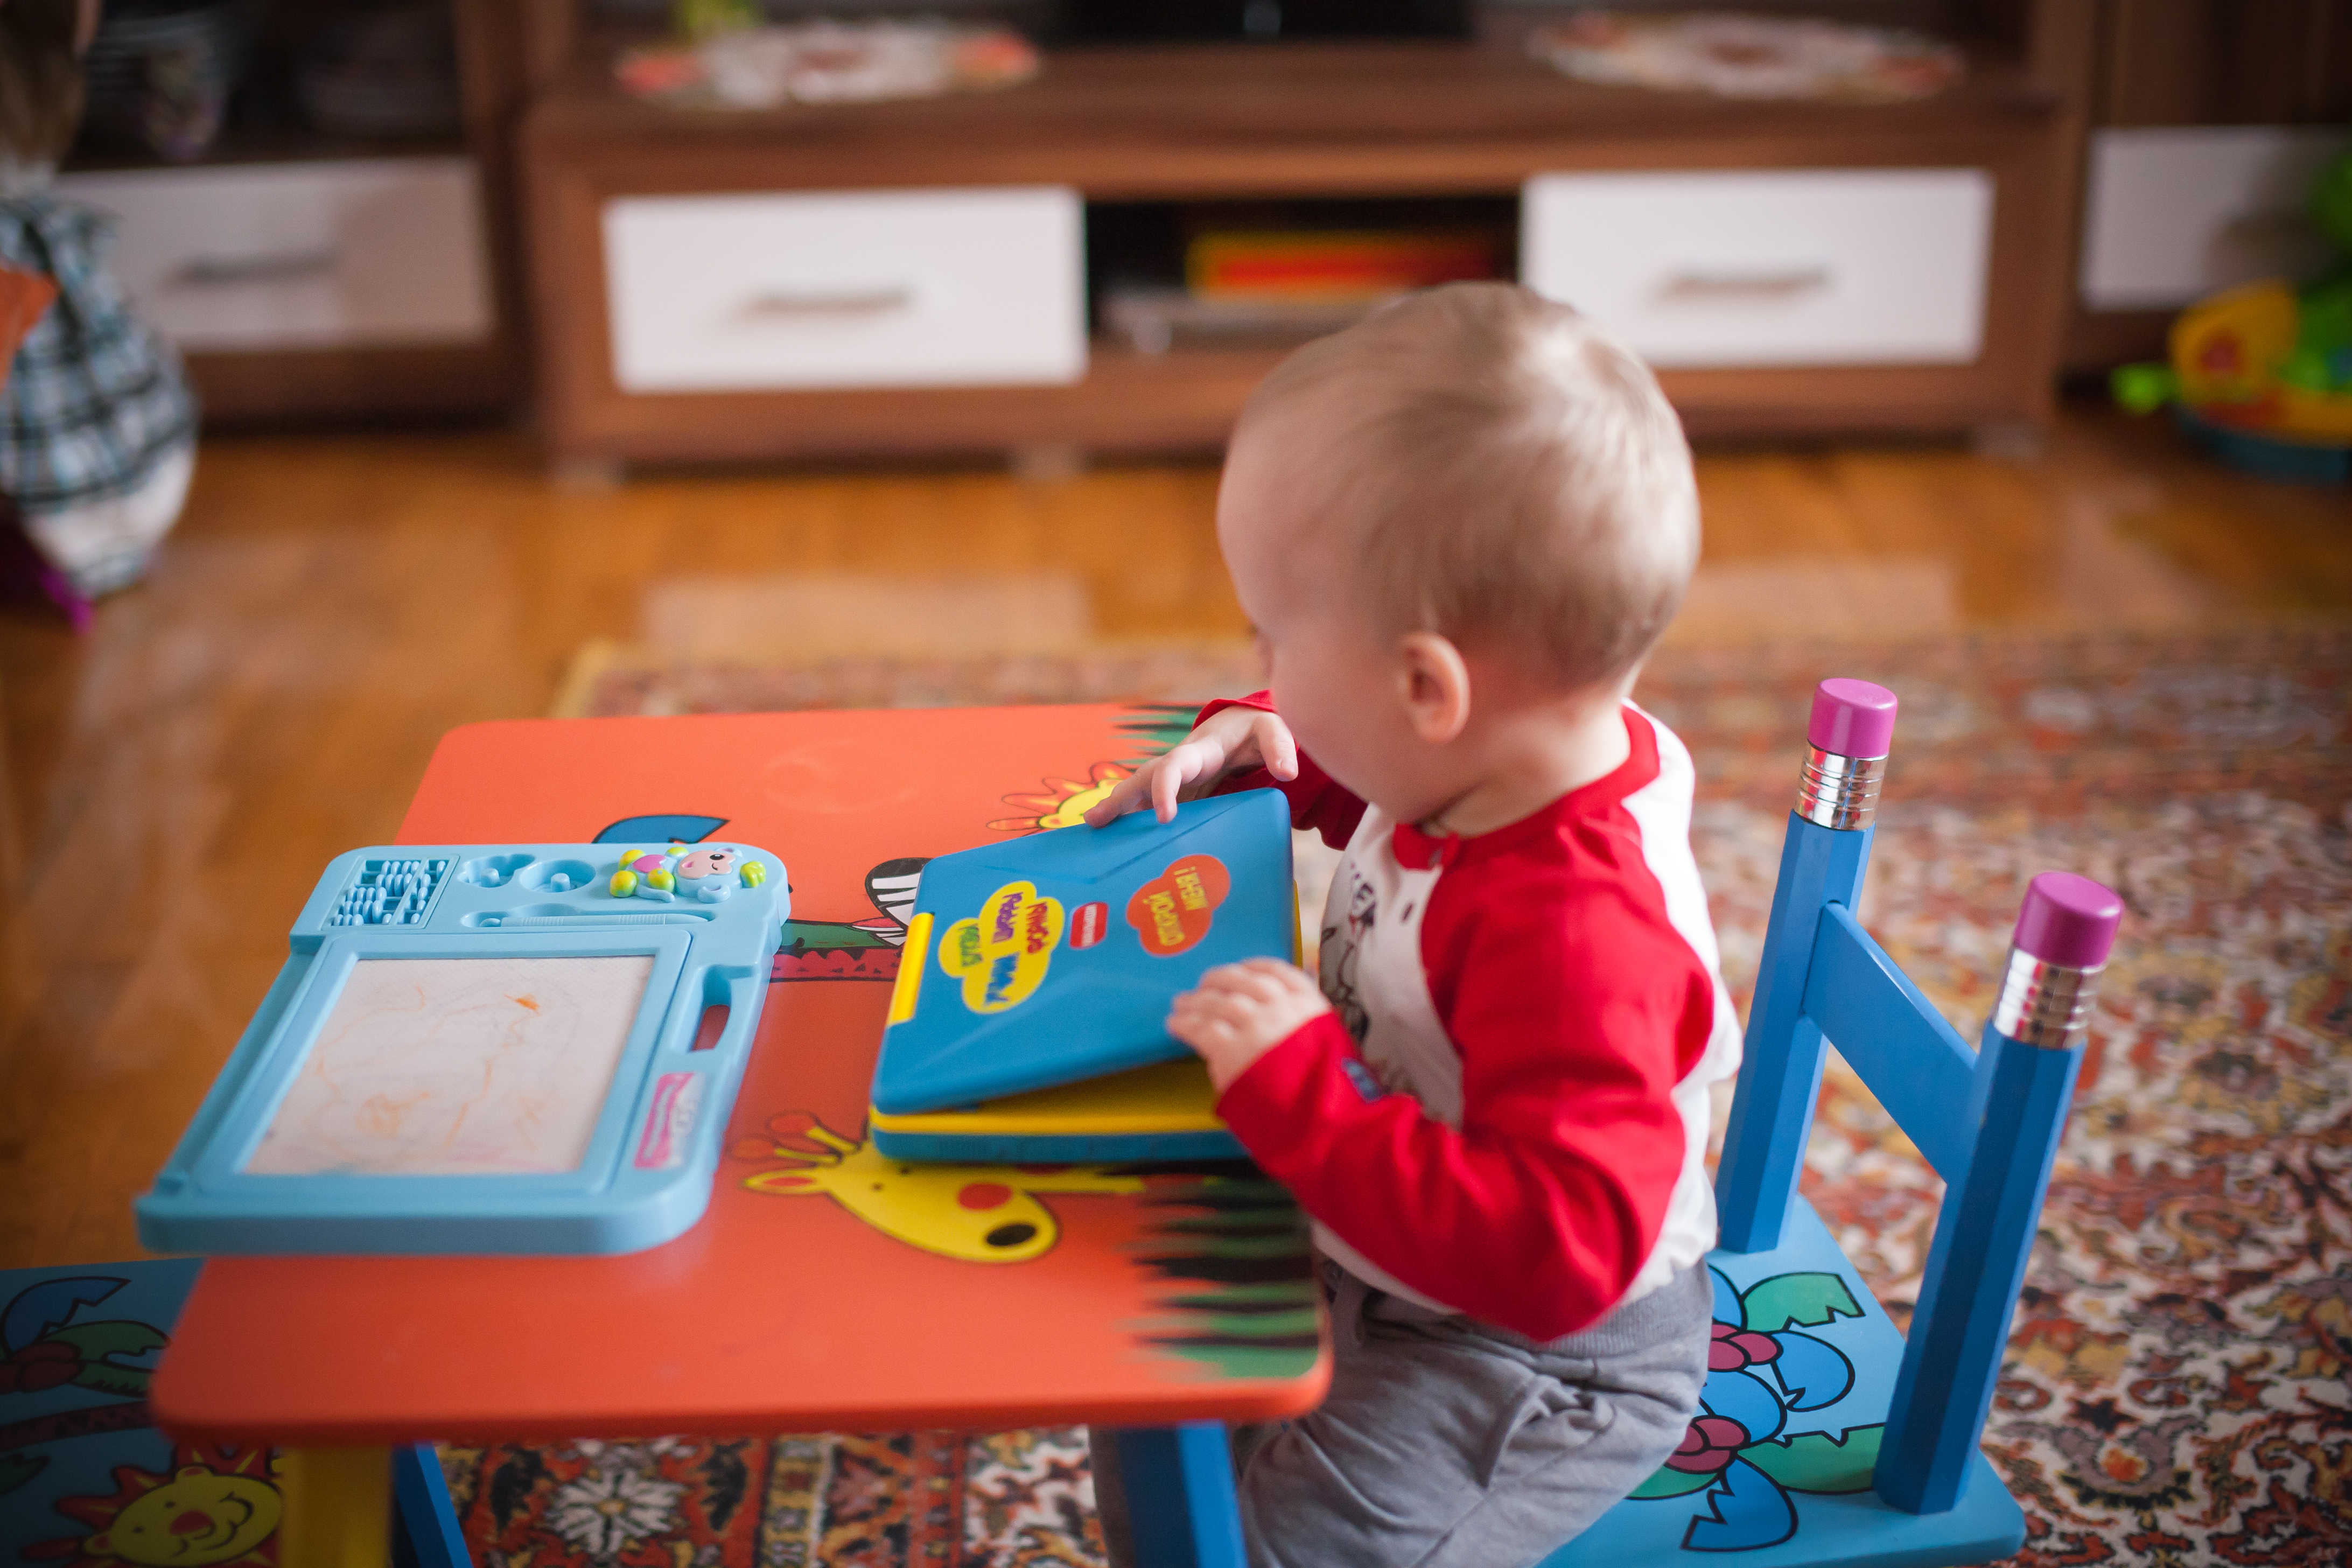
(2227, 349)
(2230, 358)
(2262, 373)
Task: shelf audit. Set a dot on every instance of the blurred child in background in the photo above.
(97, 424)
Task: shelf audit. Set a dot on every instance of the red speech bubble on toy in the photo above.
(1174, 911)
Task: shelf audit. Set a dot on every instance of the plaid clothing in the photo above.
(95, 401)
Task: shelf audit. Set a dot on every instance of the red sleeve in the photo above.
(1569, 1012)
(1315, 802)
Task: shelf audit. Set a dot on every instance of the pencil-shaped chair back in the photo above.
(1987, 1120)
(1822, 860)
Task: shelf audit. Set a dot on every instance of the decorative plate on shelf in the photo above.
(1737, 56)
(825, 62)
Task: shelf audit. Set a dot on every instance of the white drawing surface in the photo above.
(459, 1067)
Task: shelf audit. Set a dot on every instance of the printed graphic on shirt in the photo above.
(1173, 911)
(1343, 947)
(1359, 1077)
(1001, 954)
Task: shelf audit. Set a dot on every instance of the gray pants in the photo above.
(1447, 1443)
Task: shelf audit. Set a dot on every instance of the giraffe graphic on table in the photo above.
(977, 1214)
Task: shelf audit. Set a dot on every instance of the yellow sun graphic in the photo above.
(1064, 802)
(220, 1507)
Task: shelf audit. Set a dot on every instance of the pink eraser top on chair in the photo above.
(1851, 719)
(2068, 919)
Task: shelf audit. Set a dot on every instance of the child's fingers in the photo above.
(1276, 748)
(1234, 738)
(1169, 779)
(1188, 770)
(1213, 1004)
(1155, 784)
(1244, 979)
(1234, 978)
(1275, 981)
(1200, 1014)
(1283, 973)
(1202, 1031)
(1124, 798)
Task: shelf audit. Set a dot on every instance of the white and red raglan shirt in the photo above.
(1505, 1114)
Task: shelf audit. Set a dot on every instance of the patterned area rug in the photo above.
(940, 1500)
(2175, 1388)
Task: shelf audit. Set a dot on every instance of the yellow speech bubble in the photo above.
(1001, 954)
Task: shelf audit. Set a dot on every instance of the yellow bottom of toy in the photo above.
(1167, 1096)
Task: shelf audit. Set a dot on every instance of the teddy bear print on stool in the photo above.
(700, 873)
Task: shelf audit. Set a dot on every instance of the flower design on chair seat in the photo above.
(1708, 1444)
(1734, 1460)
(1735, 1348)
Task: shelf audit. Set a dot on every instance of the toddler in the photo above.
(97, 424)
(1459, 527)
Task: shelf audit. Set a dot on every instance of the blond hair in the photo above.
(1510, 476)
(40, 79)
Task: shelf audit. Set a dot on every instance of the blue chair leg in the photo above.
(1975, 1268)
(1780, 1069)
(424, 1529)
(1180, 1496)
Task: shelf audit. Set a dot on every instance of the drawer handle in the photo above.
(794, 305)
(230, 271)
(1694, 286)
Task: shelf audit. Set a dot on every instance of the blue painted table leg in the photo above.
(424, 1523)
(1975, 1267)
(1780, 1068)
(1180, 1496)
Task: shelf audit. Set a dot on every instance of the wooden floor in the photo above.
(332, 604)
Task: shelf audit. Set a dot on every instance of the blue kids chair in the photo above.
(1826, 1437)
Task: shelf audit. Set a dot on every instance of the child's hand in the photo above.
(1230, 741)
(1242, 1011)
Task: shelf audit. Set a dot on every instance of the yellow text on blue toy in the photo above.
(1001, 954)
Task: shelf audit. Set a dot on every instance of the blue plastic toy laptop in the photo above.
(485, 1048)
(1029, 1022)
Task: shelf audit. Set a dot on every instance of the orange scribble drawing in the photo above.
(381, 1115)
(458, 1067)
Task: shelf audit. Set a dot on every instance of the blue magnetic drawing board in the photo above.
(485, 1049)
(1050, 960)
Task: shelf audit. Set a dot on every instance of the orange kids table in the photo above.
(825, 1288)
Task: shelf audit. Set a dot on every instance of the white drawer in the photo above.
(377, 251)
(852, 289)
(2176, 213)
(1816, 267)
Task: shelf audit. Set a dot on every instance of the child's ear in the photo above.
(1436, 684)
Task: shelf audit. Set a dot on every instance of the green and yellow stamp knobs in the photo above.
(700, 873)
